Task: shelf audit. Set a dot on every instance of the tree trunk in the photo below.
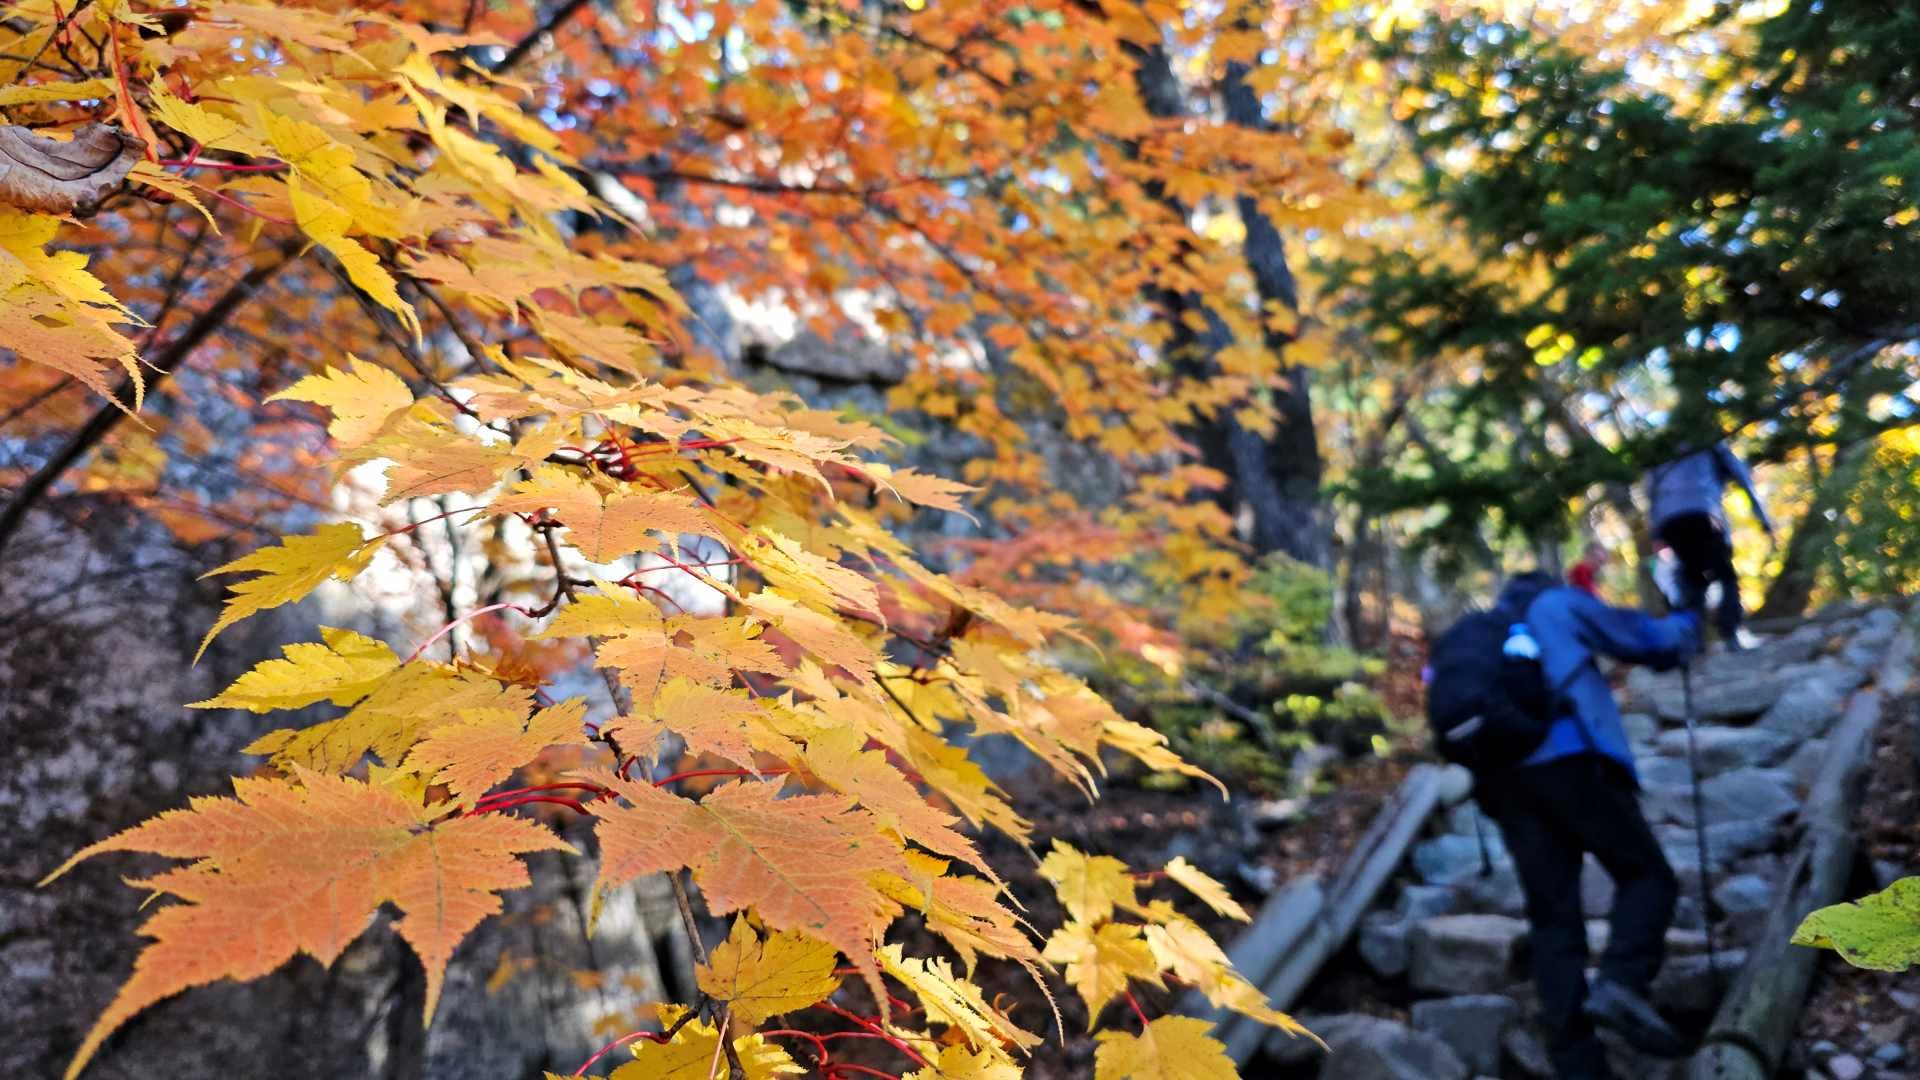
(1274, 482)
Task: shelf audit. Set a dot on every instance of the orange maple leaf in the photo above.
(300, 866)
(806, 863)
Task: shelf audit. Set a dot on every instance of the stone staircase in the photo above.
(1451, 938)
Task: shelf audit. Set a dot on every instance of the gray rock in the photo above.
(1453, 859)
(1747, 794)
(1385, 1050)
(1804, 762)
(1499, 892)
(1664, 771)
(1456, 783)
(1878, 625)
(846, 359)
(1528, 1053)
(1890, 1054)
(1418, 902)
(1728, 842)
(1719, 700)
(1467, 816)
(1686, 984)
(1744, 900)
(1723, 748)
(1464, 954)
(1843, 676)
(1383, 943)
(1846, 1067)
(1471, 1025)
(1291, 1050)
(1806, 709)
(1641, 728)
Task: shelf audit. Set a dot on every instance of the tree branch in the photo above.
(110, 415)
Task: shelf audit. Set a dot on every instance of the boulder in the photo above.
(1804, 762)
(1748, 794)
(1744, 900)
(1467, 816)
(1452, 859)
(1456, 783)
(1668, 771)
(1383, 943)
(1806, 709)
(1723, 748)
(1499, 892)
(1719, 700)
(1471, 1025)
(1641, 728)
(1464, 954)
(1686, 984)
(1528, 1052)
(1420, 902)
(1346, 1034)
(1385, 1050)
(1728, 842)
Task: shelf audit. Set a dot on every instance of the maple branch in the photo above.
(1137, 1010)
(59, 28)
(547, 26)
(109, 415)
(847, 1066)
(897, 1042)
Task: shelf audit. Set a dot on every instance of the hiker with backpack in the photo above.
(1516, 696)
(1689, 516)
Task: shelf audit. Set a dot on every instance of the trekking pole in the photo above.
(1700, 826)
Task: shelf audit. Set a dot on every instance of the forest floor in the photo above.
(1853, 1013)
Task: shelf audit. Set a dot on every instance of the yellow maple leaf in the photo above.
(606, 524)
(1210, 892)
(695, 1048)
(729, 723)
(951, 1000)
(1171, 1048)
(958, 1062)
(837, 757)
(1089, 886)
(343, 670)
(1099, 961)
(805, 863)
(407, 704)
(290, 570)
(362, 397)
(211, 129)
(758, 978)
(58, 91)
(300, 866)
(485, 746)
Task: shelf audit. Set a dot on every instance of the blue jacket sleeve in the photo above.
(1573, 627)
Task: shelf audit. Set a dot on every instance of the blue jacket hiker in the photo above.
(1688, 513)
(1577, 794)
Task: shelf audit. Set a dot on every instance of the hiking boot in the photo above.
(1612, 1005)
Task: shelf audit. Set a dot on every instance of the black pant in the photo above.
(1552, 815)
(1706, 556)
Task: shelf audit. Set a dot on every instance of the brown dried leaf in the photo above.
(52, 176)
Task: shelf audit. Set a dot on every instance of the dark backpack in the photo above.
(1486, 710)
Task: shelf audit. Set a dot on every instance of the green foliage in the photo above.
(1880, 931)
(1871, 549)
(1743, 263)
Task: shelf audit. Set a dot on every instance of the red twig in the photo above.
(244, 208)
(897, 1042)
(1137, 1010)
(223, 166)
(840, 1067)
(448, 629)
(691, 773)
(558, 800)
(631, 1036)
(819, 1042)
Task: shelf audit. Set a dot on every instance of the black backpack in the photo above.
(1486, 710)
